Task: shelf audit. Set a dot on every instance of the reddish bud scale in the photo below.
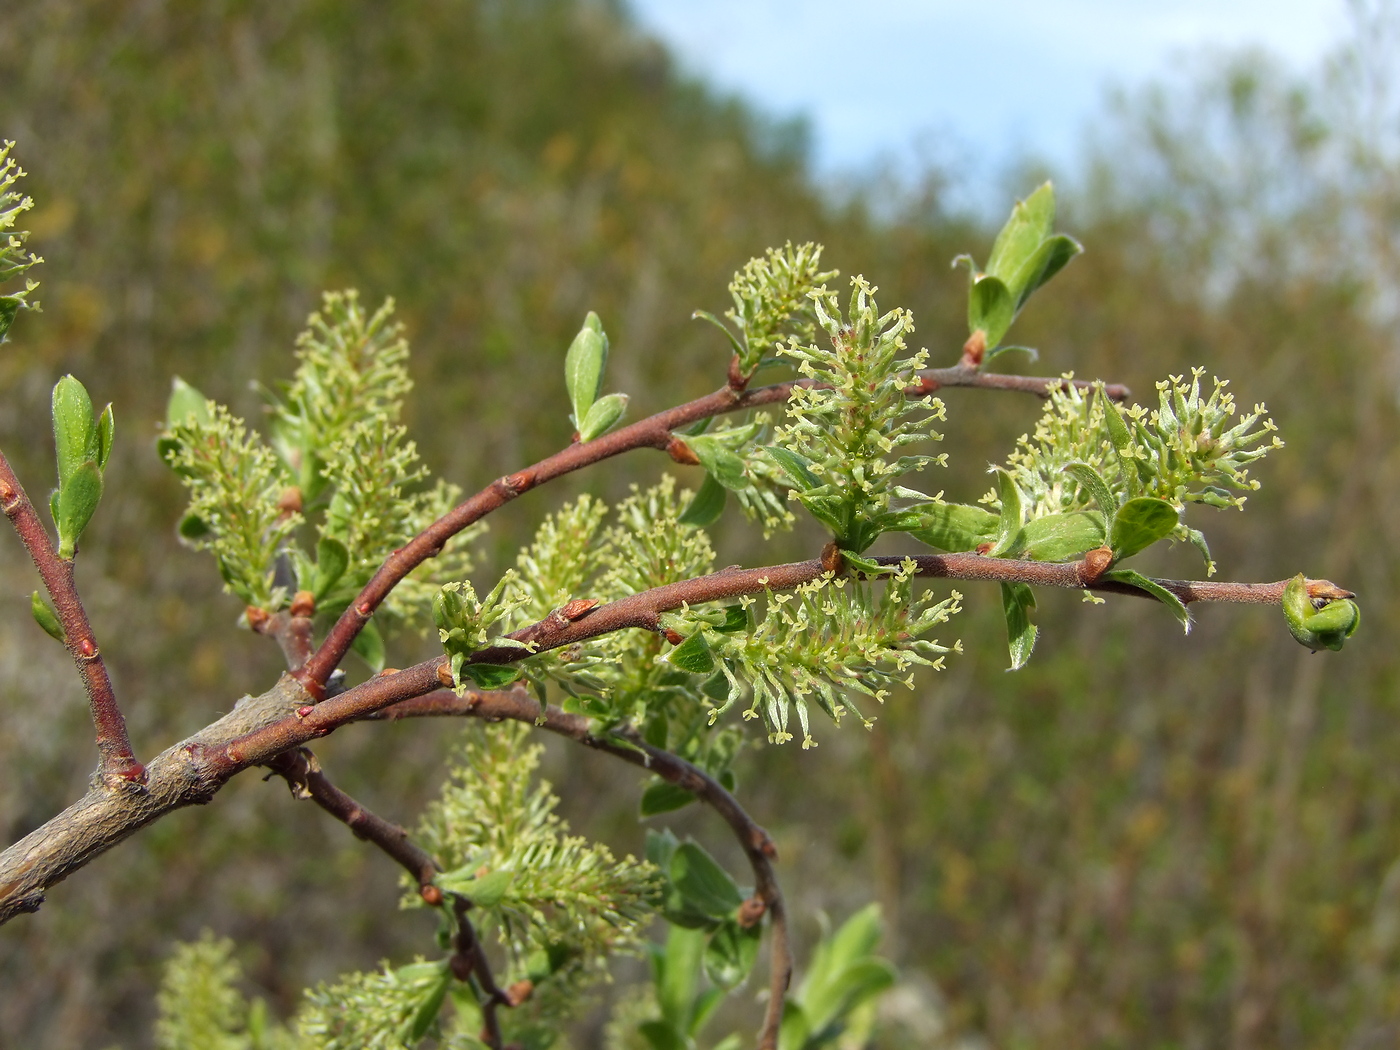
(674, 637)
(679, 451)
(305, 710)
(751, 912)
(432, 896)
(257, 617)
(303, 603)
(87, 648)
(578, 608)
(364, 608)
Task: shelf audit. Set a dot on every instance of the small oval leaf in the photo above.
(1140, 523)
(602, 416)
(77, 502)
(693, 654)
(46, 618)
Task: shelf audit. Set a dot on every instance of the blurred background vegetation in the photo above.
(1142, 839)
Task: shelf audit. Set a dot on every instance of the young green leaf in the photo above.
(731, 953)
(797, 469)
(491, 676)
(1140, 523)
(332, 559)
(702, 883)
(1166, 597)
(78, 497)
(74, 428)
(1029, 224)
(46, 618)
(663, 797)
(990, 308)
(186, 403)
(602, 416)
(705, 506)
(1061, 537)
(956, 527)
(693, 654)
(428, 1009)
(724, 465)
(485, 891)
(1017, 602)
(1092, 480)
(369, 644)
(106, 427)
(584, 365)
(1009, 524)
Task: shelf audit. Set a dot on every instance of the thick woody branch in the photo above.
(302, 772)
(653, 432)
(119, 768)
(516, 705)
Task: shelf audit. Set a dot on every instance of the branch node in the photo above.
(1096, 563)
(833, 561)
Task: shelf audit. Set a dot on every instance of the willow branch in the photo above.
(627, 744)
(119, 768)
(302, 772)
(653, 432)
(260, 728)
(643, 610)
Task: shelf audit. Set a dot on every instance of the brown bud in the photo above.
(444, 674)
(578, 608)
(304, 710)
(303, 603)
(432, 896)
(751, 912)
(674, 637)
(974, 350)
(387, 671)
(290, 500)
(832, 559)
(257, 617)
(1096, 563)
(520, 991)
(681, 452)
(984, 548)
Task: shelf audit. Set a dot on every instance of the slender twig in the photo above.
(119, 767)
(469, 960)
(642, 610)
(302, 772)
(627, 744)
(653, 432)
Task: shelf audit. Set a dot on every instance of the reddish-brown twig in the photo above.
(469, 961)
(628, 745)
(643, 609)
(119, 768)
(302, 772)
(653, 432)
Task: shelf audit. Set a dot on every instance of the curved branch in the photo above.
(119, 770)
(302, 772)
(653, 432)
(517, 705)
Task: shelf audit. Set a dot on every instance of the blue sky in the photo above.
(973, 83)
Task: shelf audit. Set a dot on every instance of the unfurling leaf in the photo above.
(702, 883)
(74, 428)
(731, 953)
(77, 501)
(584, 365)
(1327, 627)
(602, 416)
(491, 676)
(46, 618)
(990, 308)
(1009, 524)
